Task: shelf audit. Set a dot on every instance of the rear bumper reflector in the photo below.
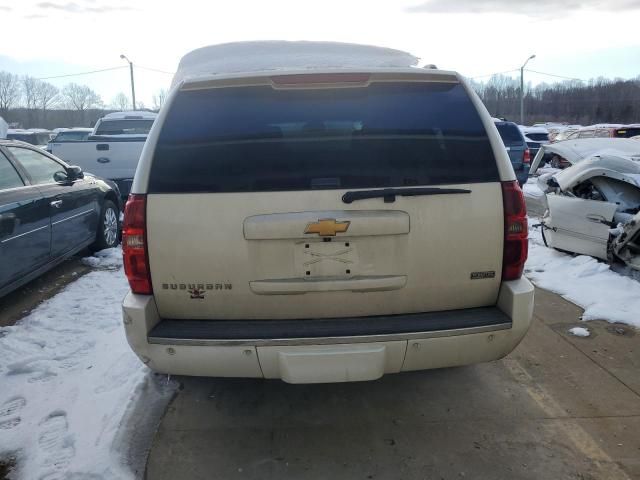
(330, 330)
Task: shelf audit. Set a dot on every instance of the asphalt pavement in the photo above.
(558, 407)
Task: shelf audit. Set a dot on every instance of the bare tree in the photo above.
(120, 102)
(159, 99)
(9, 91)
(29, 87)
(46, 96)
(598, 100)
(81, 97)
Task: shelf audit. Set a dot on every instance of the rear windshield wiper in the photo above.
(389, 194)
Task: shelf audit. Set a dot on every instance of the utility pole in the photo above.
(133, 88)
(521, 88)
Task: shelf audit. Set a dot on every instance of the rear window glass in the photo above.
(31, 138)
(261, 139)
(124, 127)
(538, 137)
(71, 136)
(628, 132)
(510, 133)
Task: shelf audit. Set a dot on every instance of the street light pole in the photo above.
(521, 89)
(133, 88)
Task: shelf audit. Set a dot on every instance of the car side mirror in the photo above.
(61, 177)
(74, 173)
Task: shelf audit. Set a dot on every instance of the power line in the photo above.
(154, 70)
(553, 75)
(82, 73)
(497, 73)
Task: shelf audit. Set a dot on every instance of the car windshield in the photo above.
(511, 135)
(124, 127)
(261, 139)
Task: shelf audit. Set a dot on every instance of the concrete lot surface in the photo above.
(559, 407)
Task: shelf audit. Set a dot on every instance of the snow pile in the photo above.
(531, 188)
(110, 258)
(70, 382)
(603, 293)
(579, 332)
(243, 57)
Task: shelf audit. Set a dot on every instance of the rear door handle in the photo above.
(56, 203)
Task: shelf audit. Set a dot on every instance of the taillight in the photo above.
(516, 246)
(134, 245)
(526, 158)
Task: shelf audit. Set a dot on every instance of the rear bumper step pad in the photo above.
(329, 330)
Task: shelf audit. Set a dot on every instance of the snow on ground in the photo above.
(531, 188)
(579, 332)
(72, 390)
(585, 281)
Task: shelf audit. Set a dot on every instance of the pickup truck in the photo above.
(112, 150)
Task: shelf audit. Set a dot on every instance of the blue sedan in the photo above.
(49, 211)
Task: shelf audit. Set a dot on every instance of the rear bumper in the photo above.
(328, 350)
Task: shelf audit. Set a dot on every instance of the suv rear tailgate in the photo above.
(419, 258)
(245, 210)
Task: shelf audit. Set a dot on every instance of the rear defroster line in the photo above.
(389, 194)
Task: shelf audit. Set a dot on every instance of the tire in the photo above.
(108, 234)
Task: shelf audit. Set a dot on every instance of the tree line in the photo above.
(29, 102)
(598, 100)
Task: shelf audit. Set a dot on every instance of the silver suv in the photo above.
(324, 225)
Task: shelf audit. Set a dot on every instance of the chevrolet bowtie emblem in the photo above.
(327, 227)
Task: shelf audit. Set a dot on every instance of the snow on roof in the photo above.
(130, 115)
(246, 57)
(603, 125)
(21, 131)
(526, 129)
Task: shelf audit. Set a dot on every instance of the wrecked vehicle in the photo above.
(626, 246)
(592, 209)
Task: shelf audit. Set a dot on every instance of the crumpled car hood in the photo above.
(575, 151)
(605, 164)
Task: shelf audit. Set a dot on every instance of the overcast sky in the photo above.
(573, 38)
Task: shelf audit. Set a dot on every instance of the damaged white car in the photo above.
(592, 206)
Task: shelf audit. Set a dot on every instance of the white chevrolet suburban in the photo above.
(314, 223)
